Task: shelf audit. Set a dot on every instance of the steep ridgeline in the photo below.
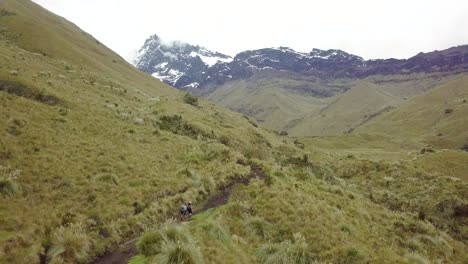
(183, 65)
(179, 64)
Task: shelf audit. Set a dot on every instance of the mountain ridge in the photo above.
(292, 91)
(192, 72)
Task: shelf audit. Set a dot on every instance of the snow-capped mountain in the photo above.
(185, 66)
(177, 63)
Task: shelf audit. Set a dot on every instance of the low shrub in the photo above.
(225, 140)
(27, 92)
(298, 161)
(176, 125)
(465, 147)
(299, 144)
(4, 12)
(7, 187)
(138, 207)
(190, 99)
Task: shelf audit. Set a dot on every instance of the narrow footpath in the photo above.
(123, 253)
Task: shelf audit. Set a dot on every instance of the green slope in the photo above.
(347, 112)
(308, 106)
(93, 153)
(95, 140)
(438, 117)
(276, 100)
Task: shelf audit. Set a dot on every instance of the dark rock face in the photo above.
(186, 66)
(451, 59)
(178, 64)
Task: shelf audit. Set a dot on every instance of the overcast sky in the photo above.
(368, 28)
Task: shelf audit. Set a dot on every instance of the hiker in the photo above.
(183, 211)
(189, 209)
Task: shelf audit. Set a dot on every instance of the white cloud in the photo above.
(368, 28)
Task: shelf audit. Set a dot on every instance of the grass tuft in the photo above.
(149, 243)
(259, 227)
(180, 253)
(108, 178)
(170, 244)
(286, 252)
(70, 244)
(216, 231)
(8, 177)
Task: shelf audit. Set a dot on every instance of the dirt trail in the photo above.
(123, 254)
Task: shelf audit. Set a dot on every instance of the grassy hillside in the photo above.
(307, 106)
(94, 153)
(89, 141)
(438, 117)
(347, 112)
(276, 100)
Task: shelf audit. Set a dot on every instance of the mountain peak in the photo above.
(152, 40)
(177, 63)
(189, 66)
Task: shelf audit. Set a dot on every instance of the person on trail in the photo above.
(189, 209)
(183, 211)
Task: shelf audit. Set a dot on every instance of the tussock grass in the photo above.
(215, 230)
(296, 251)
(107, 178)
(177, 252)
(170, 244)
(332, 205)
(69, 244)
(8, 178)
(149, 244)
(259, 227)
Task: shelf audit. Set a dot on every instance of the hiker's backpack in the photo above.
(183, 208)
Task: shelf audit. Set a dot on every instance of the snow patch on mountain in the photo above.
(210, 60)
(170, 76)
(192, 85)
(188, 66)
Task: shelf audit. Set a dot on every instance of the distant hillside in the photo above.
(438, 117)
(323, 92)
